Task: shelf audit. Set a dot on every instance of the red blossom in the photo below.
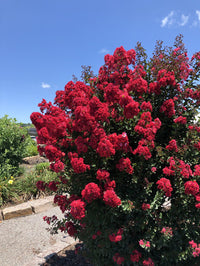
(53, 185)
(181, 120)
(41, 185)
(118, 259)
(125, 165)
(131, 109)
(148, 262)
(191, 187)
(77, 209)
(165, 185)
(116, 237)
(79, 166)
(102, 175)
(168, 108)
(135, 256)
(71, 230)
(146, 106)
(172, 146)
(91, 192)
(105, 148)
(111, 199)
(145, 206)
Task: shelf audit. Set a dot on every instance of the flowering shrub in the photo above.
(125, 146)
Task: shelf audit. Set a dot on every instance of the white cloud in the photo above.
(196, 21)
(45, 85)
(104, 51)
(184, 20)
(198, 14)
(168, 20)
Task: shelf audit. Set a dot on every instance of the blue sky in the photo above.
(44, 42)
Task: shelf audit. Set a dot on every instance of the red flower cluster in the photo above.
(168, 108)
(61, 201)
(116, 237)
(53, 185)
(105, 148)
(79, 166)
(148, 262)
(167, 231)
(191, 187)
(195, 247)
(71, 230)
(181, 120)
(165, 185)
(111, 199)
(185, 169)
(118, 259)
(171, 169)
(145, 206)
(41, 185)
(77, 209)
(102, 175)
(146, 106)
(125, 165)
(197, 170)
(172, 146)
(135, 256)
(91, 192)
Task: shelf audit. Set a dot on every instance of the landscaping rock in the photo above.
(34, 160)
(27, 208)
(41, 205)
(17, 211)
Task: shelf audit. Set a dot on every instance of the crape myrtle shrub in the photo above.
(127, 150)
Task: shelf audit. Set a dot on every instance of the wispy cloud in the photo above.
(168, 20)
(104, 51)
(196, 22)
(45, 85)
(184, 20)
(198, 14)
(175, 18)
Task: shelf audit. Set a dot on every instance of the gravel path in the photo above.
(25, 242)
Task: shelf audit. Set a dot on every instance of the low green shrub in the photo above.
(13, 142)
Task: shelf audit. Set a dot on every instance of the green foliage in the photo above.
(41, 167)
(12, 145)
(31, 147)
(15, 144)
(6, 189)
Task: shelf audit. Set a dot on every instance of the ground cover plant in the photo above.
(124, 144)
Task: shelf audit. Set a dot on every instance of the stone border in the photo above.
(27, 208)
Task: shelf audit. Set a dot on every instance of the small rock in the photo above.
(34, 160)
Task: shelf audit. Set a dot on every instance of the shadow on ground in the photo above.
(66, 257)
